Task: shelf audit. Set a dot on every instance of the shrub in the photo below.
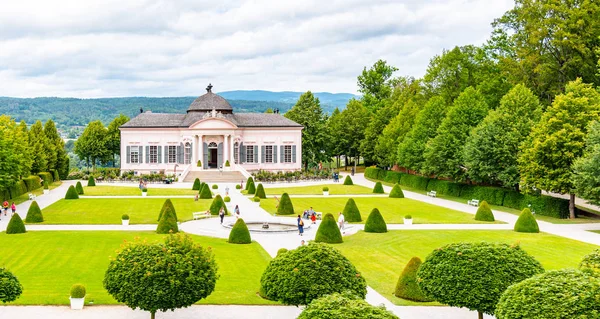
(328, 231)
(281, 251)
(216, 205)
(168, 222)
(15, 225)
(79, 188)
(55, 175)
(227, 163)
(144, 190)
(239, 234)
(251, 188)
(249, 181)
(238, 186)
(326, 189)
(378, 189)
(407, 287)
(205, 193)
(77, 291)
(344, 305)
(260, 191)
(201, 187)
(71, 193)
(34, 213)
(125, 217)
(484, 213)
(168, 204)
(46, 186)
(348, 180)
(285, 206)
(444, 187)
(91, 181)
(199, 163)
(227, 199)
(474, 275)
(493, 195)
(526, 223)
(393, 177)
(565, 293)
(31, 183)
(591, 262)
(408, 217)
(351, 212)
(215, 186)
(309, 272)
(375, 222)
(196, 186)
(256, 199)
(414, 181)
(372, 172)
(46, 176)
(11, 288)
(396, 192)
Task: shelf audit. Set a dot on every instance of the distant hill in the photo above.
(68, 112)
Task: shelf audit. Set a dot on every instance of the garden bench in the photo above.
(199, 215)
(432, 193)
(31, 196)
(473, 202)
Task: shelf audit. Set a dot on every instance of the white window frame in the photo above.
(269, 153)
(172, 151)
(134, 154)
(249, 154)
(287, 153)
(187, 154)
(153, 154)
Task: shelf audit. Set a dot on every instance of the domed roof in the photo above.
(210, 101)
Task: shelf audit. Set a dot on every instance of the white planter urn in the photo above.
(144, 194)
(325, 193)
(125, 222)
(408, 221)
(227, 168)
(77, 303)
(257, 204)
(46, 191)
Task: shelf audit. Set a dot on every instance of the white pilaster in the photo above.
(225, 149)
(200, 151)
(232, 152)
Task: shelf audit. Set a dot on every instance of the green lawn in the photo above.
(37, 192)
(392, 209)
(381, 257)
(334, 189)
(134, 191)
(48, 263)
(109, 210)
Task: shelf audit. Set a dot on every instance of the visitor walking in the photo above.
(5, 207)
(222, 214)
(226, 190)
(300, 226)
(314, 218)
(13, 207)
(236, 210)
(341, 221)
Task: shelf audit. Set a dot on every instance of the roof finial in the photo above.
(209, 88)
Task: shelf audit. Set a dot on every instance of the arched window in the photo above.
(236, 152)
(212, 145)
(187, 153)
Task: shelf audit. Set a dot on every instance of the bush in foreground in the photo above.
(181, 274)
(484, 213)
(79, 188)
(71, 193)
(167, 223)
(78, 291)
(196, 186)
(91, 181)
(216, 205)
(299, 276)
(591, 262)
(328, 231)
(348, 180)
(351, 212)
(205, 193)
(375, 222)
(396, 192)
(285, 206)
(15, 225)
(407, 287)
(10, 287)
(344, 305)
(34, 214)
(526, 223)
(260, 191)
(240, 234)
(378, 188)
(168, 204)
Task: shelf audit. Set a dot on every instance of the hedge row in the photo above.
(543, 205)
(21, 187)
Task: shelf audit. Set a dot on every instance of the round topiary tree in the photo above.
(407, 287)
(215, 186)
(260, 191)
(308, 272)
(91, 181)
(168, 222)
(71, 193)
(375, 222)
(484, 213)
(196, 186)
(526, 223)
(78, 291)
(79, 188)
(344, 305)
(328, 231)
(348, 180)
(251, 188)
(474, 275)
(34, 213)
(281, 251)
(378, 188)
(15, 225)
(166, 276)
(591, 262)
(10, 287)
(351, 212)
(205, 193)
(168, 204)
(216, 205)
(227, 199)
(249, 181)
(560, 294)
(239, 234)
(396, 192)
(285, 206)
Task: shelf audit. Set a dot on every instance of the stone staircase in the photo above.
(214, 176)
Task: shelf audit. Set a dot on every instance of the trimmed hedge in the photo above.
(351, 212)
(249, 181)
(31, 183)
(372, 172)
(344, 305)
(285, 206)
(46, 176)
(393, 177)
(260, 191)
(205, 193)
(375, 222)
(15, 225)
(348, 180)
(34, 213)
(526, 223)
(484, 213)
(396, 192)
(71, 193)
(239, 234)
(91, 181)
(79, 188)
(328, 231)
(196, 186)
(251, 188)
(378, 188)
(414, 181)
(216, 205)
(493, 195)
(442, 187)
(168, 204)
(168, 222)
(407, 287)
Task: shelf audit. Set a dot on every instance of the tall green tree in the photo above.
(38, 145)
(113, 138)
(308, 113)
(547, 157)
(492, 150)
(53, 145)
(11, 166)
(443, 153)
(376, 84)
(25, 150)
(587, 167)
(92, 144)
(334, 132)
(353, 121)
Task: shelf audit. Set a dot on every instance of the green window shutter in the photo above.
(282, 149)
(166, 154)
(274, 153)
(293, 153)
(180, 153)
(159, 154)
(255, 153)
(220, 155)
(262, 154)
(205, 155)
(242, 153)
(128, 154)
(147, 154)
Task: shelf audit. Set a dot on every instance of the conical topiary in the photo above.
(375, 222)
(396, 192)
(285, 205)
(484, 213)
(216, 205)
(168, 222)
(79, 188)
(15, 225)
(196, 186)
(251, 188)
(91, 181)
(168, 204)
(34, 214)
(407, 287)
(351, 212)
(260, 191)
(201, 187)
(249, 181)
(378, 189)
(205, 193)
(526, 223)
(71, 193)
(328, 231)
(239, 234)
(348, 180)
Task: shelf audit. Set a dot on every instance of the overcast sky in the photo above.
(109, 48)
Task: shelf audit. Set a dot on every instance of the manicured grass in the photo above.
(381, 257)
(37, 192)
(134, 191)
(393, 210)
(334, 189)
(48, 263)
(109, 210)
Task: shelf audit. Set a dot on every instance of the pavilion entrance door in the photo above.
(212, 158)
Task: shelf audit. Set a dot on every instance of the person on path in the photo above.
(314, 218)
(341, 221)
(5, 206)
(13, 207)
(222, 214)
(226, 190)
(300, 226)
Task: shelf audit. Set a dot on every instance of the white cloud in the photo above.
(99, 48)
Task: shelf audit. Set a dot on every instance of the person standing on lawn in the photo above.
(300, 226)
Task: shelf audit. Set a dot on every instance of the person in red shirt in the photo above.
(5, 206)
(313, 217)
(13, 207)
